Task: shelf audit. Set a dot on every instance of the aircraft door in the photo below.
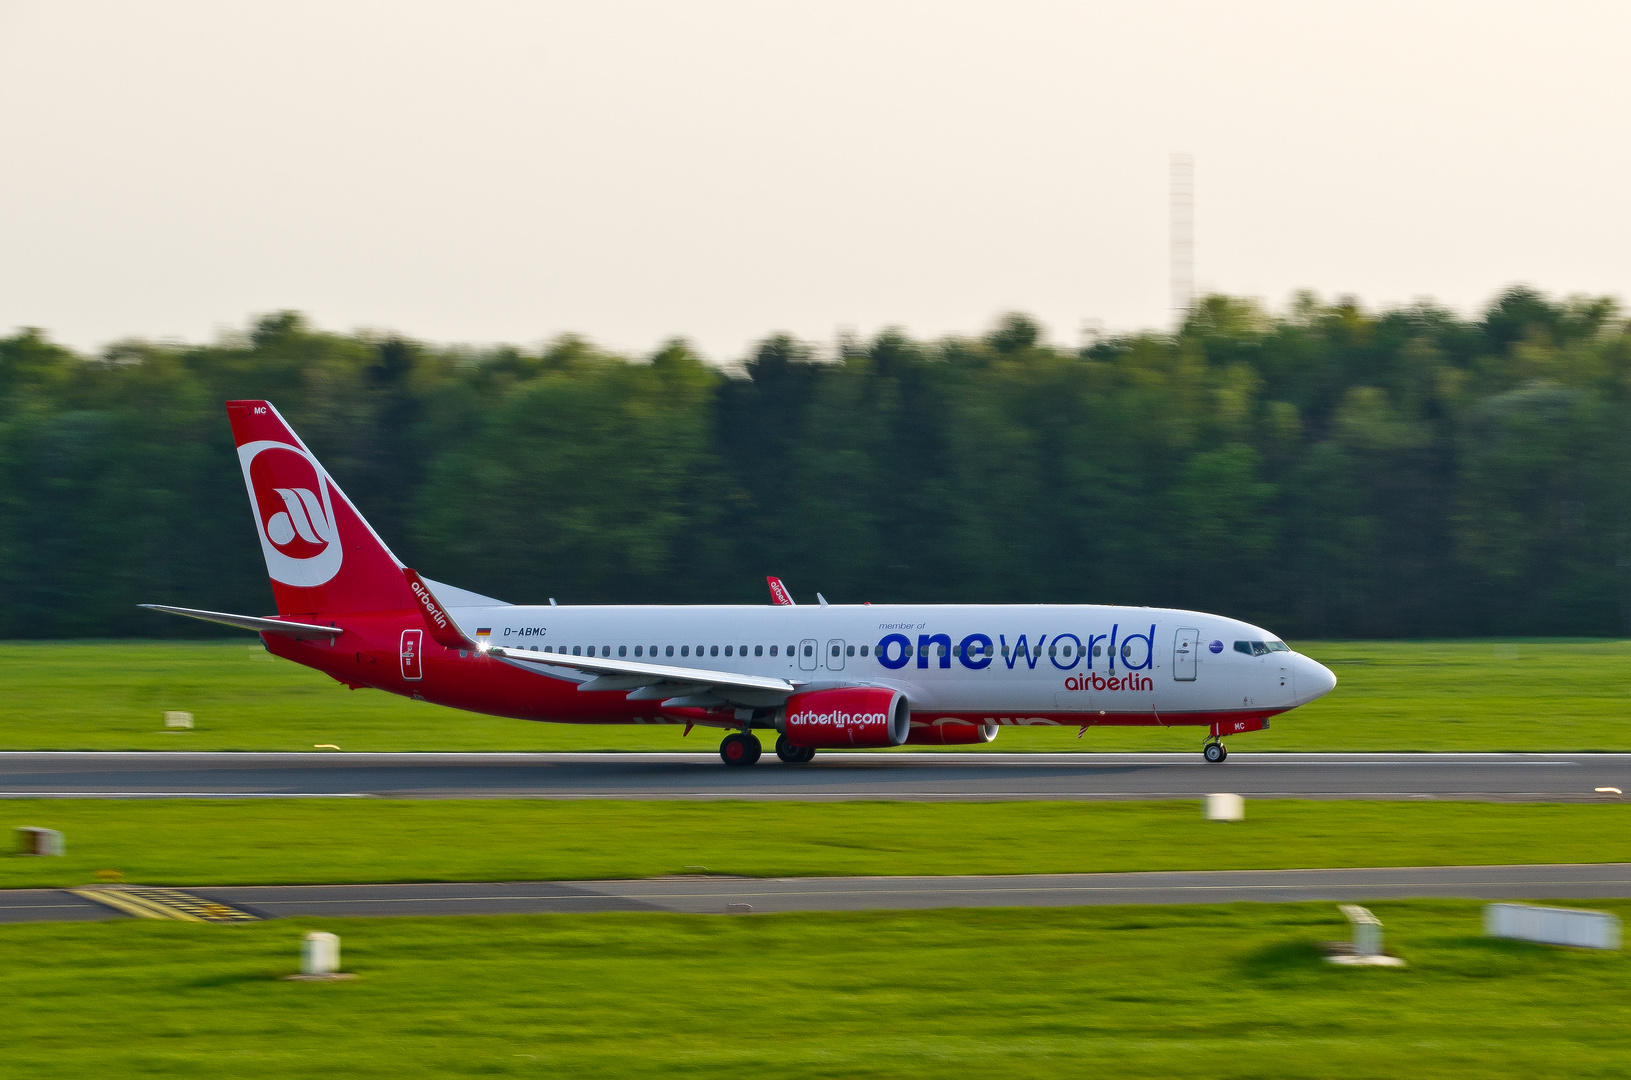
(835, 654)
(807, 654)
(410, 653)
(1185, 643)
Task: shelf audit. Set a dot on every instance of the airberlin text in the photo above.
(839, 718)
(1096, 681)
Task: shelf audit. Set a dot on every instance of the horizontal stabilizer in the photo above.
(251, 622)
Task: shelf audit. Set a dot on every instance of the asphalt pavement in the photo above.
(722, 895)
(831, 776)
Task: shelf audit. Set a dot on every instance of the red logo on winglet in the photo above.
(778, 593)
(439, 622)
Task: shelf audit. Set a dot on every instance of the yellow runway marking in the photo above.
(172, 904)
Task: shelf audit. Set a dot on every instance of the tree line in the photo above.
(1324, 471)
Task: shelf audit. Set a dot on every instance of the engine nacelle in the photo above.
(951, 733)
(856, 717)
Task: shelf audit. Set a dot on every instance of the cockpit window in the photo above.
(1278, 646)
(1243, 647)
(1260, 648)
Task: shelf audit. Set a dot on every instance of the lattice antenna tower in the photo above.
(1181, 206)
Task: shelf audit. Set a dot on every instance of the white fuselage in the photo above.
(1044, 660)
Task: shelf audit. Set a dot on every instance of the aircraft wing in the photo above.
(676, 686)
(252, 622)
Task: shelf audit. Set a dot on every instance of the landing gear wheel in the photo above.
(740, 748)
(1215, 752)
(793, 755)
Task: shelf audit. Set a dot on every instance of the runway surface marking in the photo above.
(145, 902)
(692, 895)
(832, 776)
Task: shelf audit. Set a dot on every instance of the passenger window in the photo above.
(908, 651)
(809, 650)
(773, 650)
(714, 651)
(741, 650)
(637, 650)
(940, 650)
(654, 651)
(835, 649)
(669, 651)
(605, 650)
(685, 650)
(758, 650)
(1126, 652)
(535, 648)
(1243, 647)
(622, 650)
(727, 650)
(863, 650)
(1098, 650)
(577, 650)
(850, 651)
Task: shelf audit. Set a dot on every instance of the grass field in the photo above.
(1236, 991)
(188, 842)
(1529, 695)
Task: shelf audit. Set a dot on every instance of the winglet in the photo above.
(443, 629)
(779, 594)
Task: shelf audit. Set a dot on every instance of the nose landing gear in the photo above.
(1216, 752)
(740, 748)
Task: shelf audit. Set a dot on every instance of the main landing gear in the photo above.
(793, 755)
(743, 748)
(1216, 752)
(740, 748)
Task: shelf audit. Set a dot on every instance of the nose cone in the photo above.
(1314, 679)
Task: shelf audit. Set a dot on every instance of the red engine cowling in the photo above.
(951, 733)
(855, 717)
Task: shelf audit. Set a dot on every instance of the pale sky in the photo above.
(633, 170)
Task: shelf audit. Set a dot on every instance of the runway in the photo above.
(832, 776)
(710, 895)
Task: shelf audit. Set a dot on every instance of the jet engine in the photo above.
(951, 733)
(857, 717)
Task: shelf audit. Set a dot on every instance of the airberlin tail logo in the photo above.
(294, 513)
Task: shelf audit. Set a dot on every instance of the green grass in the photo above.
(187, 842)
(1544, 695)
(1235, 991)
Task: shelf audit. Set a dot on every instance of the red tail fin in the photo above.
(778, 592)
(321, 555)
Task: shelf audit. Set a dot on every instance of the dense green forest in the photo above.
(1330, 471)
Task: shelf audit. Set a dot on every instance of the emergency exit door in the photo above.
(1185, 643)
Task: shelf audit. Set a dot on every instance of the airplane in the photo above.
(827, 676)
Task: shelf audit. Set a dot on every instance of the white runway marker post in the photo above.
(1225, 807)
(1365, 950)
(1553, 926)
(35, 841)
(178, 721)
(320, 959)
